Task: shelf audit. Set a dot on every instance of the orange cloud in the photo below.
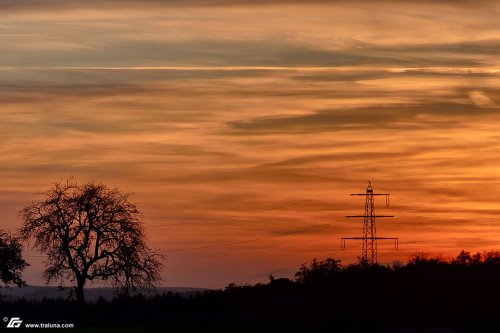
(259, 120)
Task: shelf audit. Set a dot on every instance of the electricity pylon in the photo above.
(369, 239)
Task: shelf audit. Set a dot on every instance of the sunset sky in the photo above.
(251, 119)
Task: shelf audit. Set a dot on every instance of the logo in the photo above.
(15, 322)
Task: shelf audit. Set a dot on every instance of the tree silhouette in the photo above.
(11, 260)
(318, 271)
(90, 232)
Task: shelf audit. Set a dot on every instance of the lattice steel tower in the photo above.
(369, 239)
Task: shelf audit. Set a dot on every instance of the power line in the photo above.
(419, 208)
(283, 205)
(232, 216)
(439, 232)
(248, 240)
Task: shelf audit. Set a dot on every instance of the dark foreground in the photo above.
(424, 295)
(248, 329)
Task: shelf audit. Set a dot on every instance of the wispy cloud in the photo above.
(209, 109)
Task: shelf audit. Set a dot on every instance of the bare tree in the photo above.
(90, 232)
(11, 260)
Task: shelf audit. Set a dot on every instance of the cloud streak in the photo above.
(218, 109)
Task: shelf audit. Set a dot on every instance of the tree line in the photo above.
(449, 295)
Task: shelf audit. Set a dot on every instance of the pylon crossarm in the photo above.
(370, 194)
(370, 216)
(343, 239)
(396, 241)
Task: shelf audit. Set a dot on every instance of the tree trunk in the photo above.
(80, 295)
(80, 302)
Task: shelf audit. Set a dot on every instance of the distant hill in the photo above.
(91, 294)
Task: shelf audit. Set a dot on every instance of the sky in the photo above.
(241, 127)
